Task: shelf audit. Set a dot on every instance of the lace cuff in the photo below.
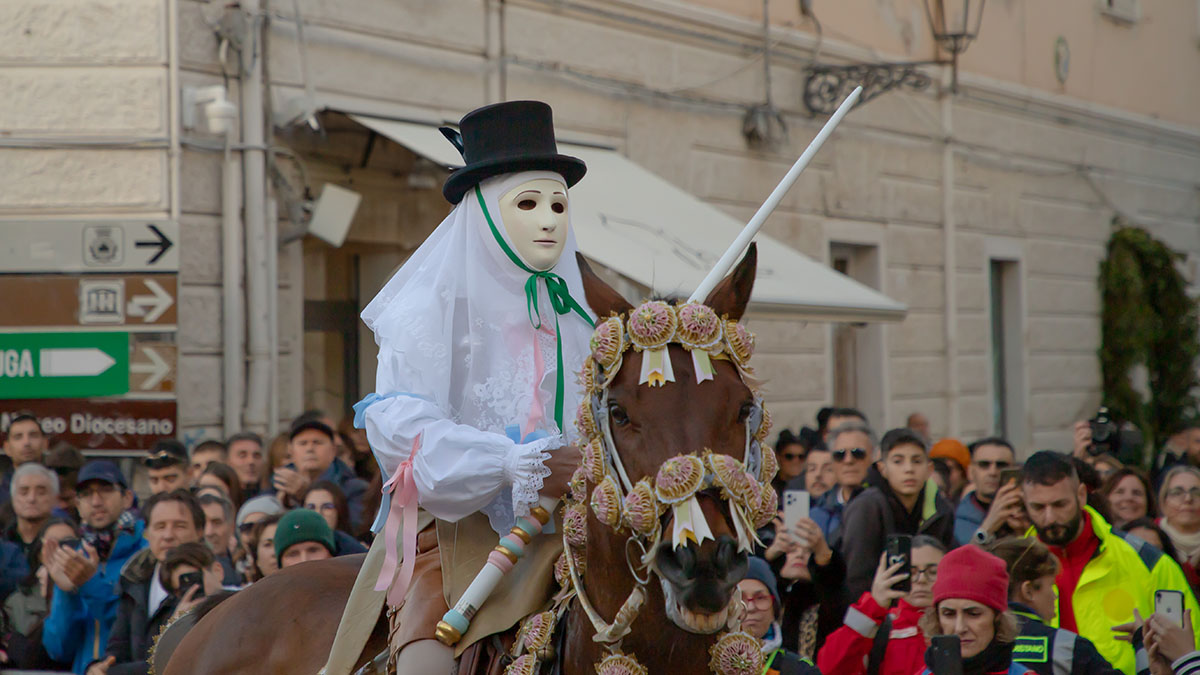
(527, 471)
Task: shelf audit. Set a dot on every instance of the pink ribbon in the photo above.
(404, 509)
(537, 411)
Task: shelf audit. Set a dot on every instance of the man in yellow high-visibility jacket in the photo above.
(1106, 574)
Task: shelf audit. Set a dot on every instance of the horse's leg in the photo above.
(425, 656)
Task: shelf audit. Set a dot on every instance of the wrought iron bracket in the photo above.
(828, 85)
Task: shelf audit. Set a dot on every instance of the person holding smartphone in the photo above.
(880, 635)
(985, 514)
(970, 601)
(145, 603)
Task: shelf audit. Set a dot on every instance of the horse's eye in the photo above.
(617, 415)
(744, 413)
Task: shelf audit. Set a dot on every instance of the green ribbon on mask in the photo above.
(560, 300)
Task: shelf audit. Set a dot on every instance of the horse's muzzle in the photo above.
(699, 582)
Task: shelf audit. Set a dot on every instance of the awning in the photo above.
(661, 237)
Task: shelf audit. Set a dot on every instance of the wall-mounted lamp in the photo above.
(954, 25)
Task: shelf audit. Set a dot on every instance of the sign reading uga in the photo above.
(54, 365)
(118, 427)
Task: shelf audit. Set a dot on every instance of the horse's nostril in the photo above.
(686, 556)
(726, 553)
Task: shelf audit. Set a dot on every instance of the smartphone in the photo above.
(899, 550)
(73, 543)
(795, 508)
(946, 651)
(1010, 476)
(1170, 605)
(189, 579)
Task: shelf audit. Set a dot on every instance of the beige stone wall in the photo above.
(83, 72)
(1146, 67)
(1032, 176)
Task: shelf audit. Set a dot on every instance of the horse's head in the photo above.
(689, 447)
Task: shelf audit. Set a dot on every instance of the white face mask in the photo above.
(535, 217)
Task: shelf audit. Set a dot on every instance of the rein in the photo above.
(622, 505)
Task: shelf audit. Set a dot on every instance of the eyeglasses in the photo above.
(327, 506)
(1179, 493)
(986, 464)
(104, 489)
(759, 600)
(858, 454)
(929, 572)
(792, 456)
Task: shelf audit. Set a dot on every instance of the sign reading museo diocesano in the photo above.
(98, 426)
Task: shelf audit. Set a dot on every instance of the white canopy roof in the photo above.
(665, 239)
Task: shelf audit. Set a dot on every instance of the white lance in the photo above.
(511, 547)
(726, 262)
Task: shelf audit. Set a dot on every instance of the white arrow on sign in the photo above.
(157, 369)
(150, 307)
(81, 362)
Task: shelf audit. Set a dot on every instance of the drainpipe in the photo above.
(231, 277)
(254, 172)
(273, 316)
(175, 150)
(950, 269)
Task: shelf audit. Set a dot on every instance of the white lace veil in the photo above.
(455, 318)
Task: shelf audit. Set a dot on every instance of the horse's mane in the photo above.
(207, 604)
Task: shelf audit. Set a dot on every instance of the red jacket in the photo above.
(846, 649)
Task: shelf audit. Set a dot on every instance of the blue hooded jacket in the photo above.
(77, 627)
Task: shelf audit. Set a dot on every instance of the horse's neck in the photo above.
(657, 643)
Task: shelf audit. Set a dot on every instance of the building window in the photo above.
(1007, 350)
(858, 350)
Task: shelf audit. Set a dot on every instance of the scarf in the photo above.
(103, 539)
(995, 659)
(1186, 545)
(773, 639)
(1074, 558)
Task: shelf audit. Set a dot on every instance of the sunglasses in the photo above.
(161, 460)
(987, 464)
(858, 454)
(790, 456)
(245, 528)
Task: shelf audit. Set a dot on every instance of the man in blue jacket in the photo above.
(85, 573)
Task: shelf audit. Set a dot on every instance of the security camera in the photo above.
(220, 115)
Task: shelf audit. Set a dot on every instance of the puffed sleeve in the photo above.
(458, 469)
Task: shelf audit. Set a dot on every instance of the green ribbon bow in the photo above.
(560, 300)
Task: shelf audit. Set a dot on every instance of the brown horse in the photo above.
(286, 622)
(650, 425)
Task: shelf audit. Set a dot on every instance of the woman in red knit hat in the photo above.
(970, 600)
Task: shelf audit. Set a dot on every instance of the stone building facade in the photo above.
(985, 211)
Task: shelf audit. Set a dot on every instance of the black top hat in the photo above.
(506, 138)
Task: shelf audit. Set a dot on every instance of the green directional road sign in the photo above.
(63, 365)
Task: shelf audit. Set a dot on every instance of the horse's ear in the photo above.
(600, 296)
(731, 296)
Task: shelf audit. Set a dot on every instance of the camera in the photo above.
(1105, 435)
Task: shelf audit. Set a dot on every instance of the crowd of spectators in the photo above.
(1047, 567)
(91, 570)
(1050, 566)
